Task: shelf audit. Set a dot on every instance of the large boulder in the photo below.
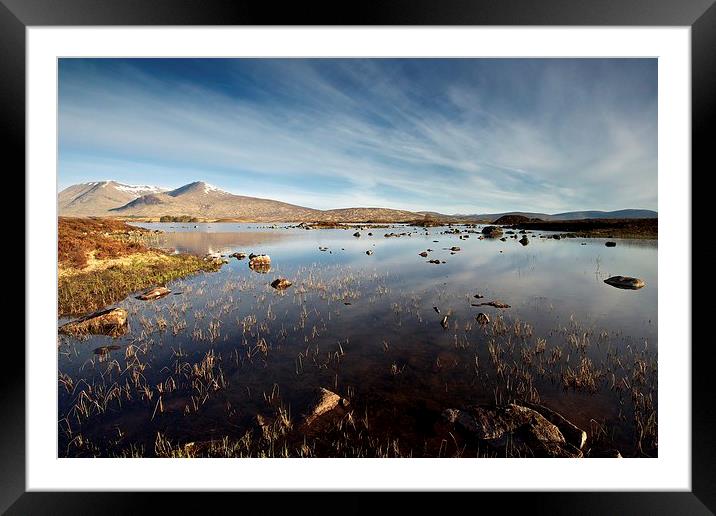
(326, 409)
(625, 282)
(492, 231)
(112, 321)
(572, 433)
(523, 428)
(260, 263)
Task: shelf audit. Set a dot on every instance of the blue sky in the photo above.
(448, 135)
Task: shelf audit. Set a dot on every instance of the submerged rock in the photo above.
(281, 283)
(154, 293)
(496, 304)
(112, 321)
(324, 412)
(104, 350)
(625, 282)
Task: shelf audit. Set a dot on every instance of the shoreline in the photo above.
(101, 262)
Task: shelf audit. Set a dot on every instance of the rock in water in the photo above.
(492, 231)
(154, 293)
(444, 322)
(454, 249)
(496, 304)
(324, 412)
(111, 322)
(610, 244)
(572, 433)
(424, 254)
(260, 263)
(482, 318)
(625, 282)
(356, 234)
(523, 428)
(369, 252)
(281, 283)
(239, 256)
(524, 240)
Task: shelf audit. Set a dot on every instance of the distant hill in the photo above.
(204, 201)
(200, 199)
(570, 215)
(98, 197)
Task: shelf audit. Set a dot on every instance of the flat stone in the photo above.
(112, 321)
(625, 282)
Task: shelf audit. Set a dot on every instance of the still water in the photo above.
(369, 326)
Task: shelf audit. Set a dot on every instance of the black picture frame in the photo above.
(17, 15)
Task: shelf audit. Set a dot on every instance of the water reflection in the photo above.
(367, 323)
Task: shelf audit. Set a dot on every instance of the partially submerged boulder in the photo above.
(492, 231)
(112, 321)
(238, 255)
(215, 258)
(154, 293)
(524, 428)
(524, 240)
(610, 244)
(281, 284)
(572, 433)
(260, 263)
(324, 412)
(625, 282)
(482, 318)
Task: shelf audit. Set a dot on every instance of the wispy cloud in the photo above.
(457, 136)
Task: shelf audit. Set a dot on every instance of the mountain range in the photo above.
(204, 201)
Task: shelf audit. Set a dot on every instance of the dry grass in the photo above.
(101, 261)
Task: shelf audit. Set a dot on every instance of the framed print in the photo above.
(414, 250)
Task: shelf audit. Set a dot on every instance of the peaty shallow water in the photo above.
(366, 326)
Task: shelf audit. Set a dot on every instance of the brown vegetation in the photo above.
(102, 261)
(79, 239)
